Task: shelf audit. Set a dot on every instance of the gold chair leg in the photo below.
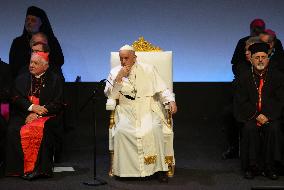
(171, 171)
(171, 167)
(110, 173)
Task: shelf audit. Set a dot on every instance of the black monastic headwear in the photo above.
(45, 27)
(259, 47)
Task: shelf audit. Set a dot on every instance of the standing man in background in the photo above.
(257, 26)
(20, 51)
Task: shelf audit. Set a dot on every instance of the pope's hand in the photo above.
(124, 72)
(173, 107)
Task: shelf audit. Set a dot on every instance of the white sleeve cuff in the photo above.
(30, 108)
(167, 96)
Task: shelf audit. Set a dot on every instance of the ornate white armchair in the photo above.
(146, 53)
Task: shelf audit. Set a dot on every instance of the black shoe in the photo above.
(162, 177)
(35, 175)
(2, 169)
(230, 153)
(30, 176)
(249, 174)
(271, 174)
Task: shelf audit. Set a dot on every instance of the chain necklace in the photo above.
(259, 88)
(36, 85)
(133, 84)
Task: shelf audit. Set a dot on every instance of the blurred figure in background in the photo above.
(276, 52)
(5, 82)
(257, 26)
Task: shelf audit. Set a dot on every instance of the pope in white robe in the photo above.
(140, 134)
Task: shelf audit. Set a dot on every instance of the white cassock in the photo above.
(141, 137)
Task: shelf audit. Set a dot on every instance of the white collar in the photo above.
(38, 76)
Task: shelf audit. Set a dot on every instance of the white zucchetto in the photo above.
(127, 47)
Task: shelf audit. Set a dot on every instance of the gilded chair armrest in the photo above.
(168, 115)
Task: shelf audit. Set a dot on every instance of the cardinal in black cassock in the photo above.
(34, 122)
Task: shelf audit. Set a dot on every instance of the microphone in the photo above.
(126, 96)
(102, 81)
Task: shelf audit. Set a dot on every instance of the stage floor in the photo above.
(198, 148)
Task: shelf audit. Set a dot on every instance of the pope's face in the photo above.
(37, 67)
(259, 61)
(127, 58)
(32, 23)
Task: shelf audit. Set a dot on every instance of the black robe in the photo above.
(260, 145)
(51, 97)
(277, 60)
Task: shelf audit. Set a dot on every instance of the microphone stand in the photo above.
(96, 94)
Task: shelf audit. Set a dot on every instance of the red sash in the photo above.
(259, 104)
(31, 137)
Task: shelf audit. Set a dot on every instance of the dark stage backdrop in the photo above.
(201, 33)
(199, 115)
